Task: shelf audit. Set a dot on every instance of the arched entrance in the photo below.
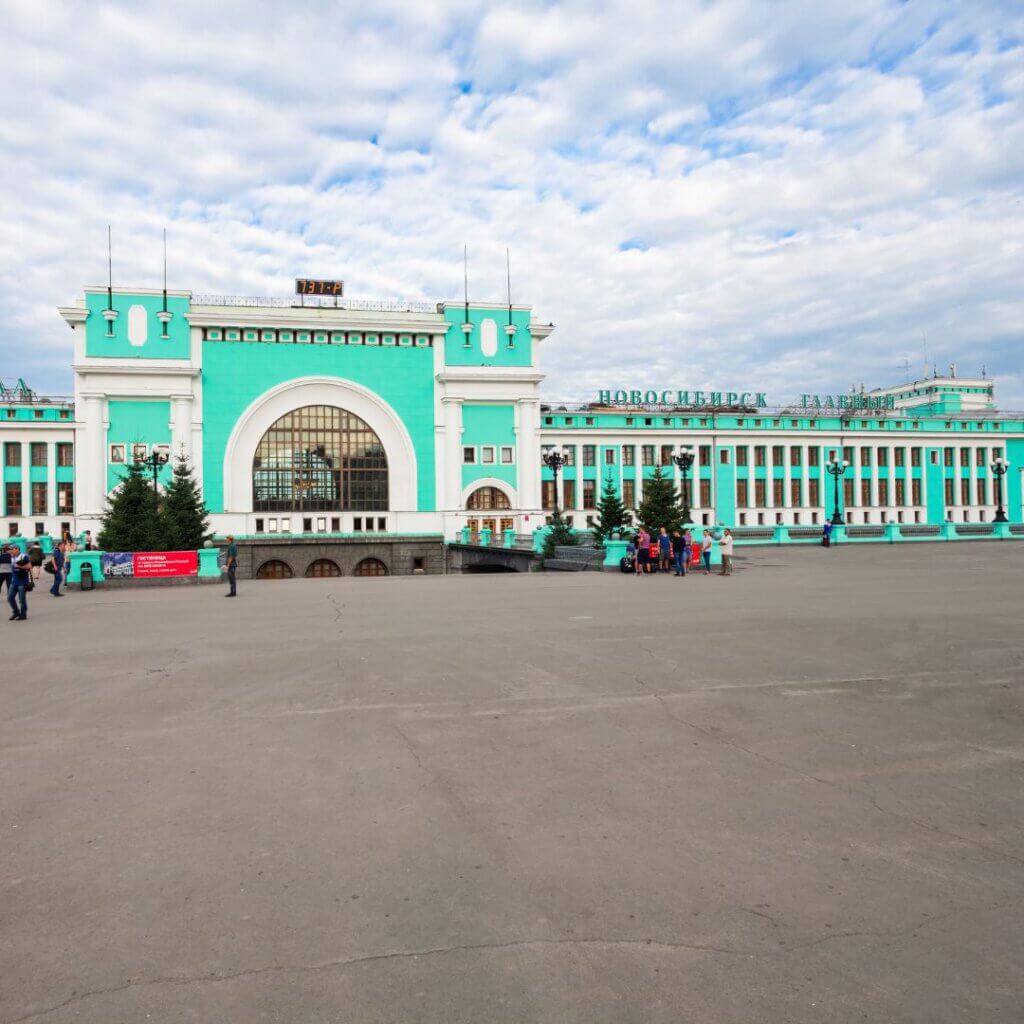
(370, 567)
(321, 568)
(485, 506)
(319, 459)
(274, 569)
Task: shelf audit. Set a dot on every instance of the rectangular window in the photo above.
(965, 457)
(65, 499)
(65, 454)
(778, 493)
(723, 456)
(742, 494)
(794, 493)
(883, 456)
(965, 492)
(948, 489)
(336, 525)
(609, 456)
(813, 456)
(760, 494)
(629, 494)
(139, 452)
(13, 499)
(38, 449)
(899, 457)
(980, 457)
(259, 526)
(705, 494)
(12, 453)
(382, 524)
(883, 492)
(947, 456)
(647, 455)
(915, 457)
(666, 455)
(357, 524)
(547, 493)
(778, 454)
(117, 454)
(813, 490)
(307, 525)
(759, 452)
(568, 493)
(848, 454)
(39, 497)
(589, 493)
(795, 453)
(506, 455)
(627, 455)
(865, 492)
(588, 454)
(901, 491)
(865, 456)
(469, 456)
(704, 455)
(741, 455)
(487, 454)
(981, 491)
(848, 493)
(915, 492)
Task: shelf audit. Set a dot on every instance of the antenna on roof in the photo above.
(110, 271)
(467, 327)
(906, 369)
(164, 316)
(165, 270)
(924, 342)
(983, 371)
(510, 328)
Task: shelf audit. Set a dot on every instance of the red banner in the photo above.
(166, 563)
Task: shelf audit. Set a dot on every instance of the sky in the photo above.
(790, 197)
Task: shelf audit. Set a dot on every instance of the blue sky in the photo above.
(792, 196)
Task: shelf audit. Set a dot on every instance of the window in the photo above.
(370, 567)
(274, 569)
(794, 493)
(865, 492)
(760, 493)
(12, 454)
(915, 458)
(865, 456)
(647, 455)
(307, 525)
(506, 455)
(848, 493)
(915, 492)
(65, 454)
(948, 489)
(899, 457)
(947, 454)
(795, 455)
(981, 492)
(813, 491)
(741, 455)
(759, 453)
(883, 456)
(723, 456)
(778, 454)
(589, 421)
(38, 450)
(320, 459)
(628, 494)
(778, 492)
(570, 454)
(848, 454)
(40, 529)
(666, 455)
(980, 457)
(547, 490)
(321, 568)
(485, 499)
(117, 454)
(705, 494)
(883, 492)
(139, 452)
(163, 450)
(589, 453)
(65, 499)
(589, 493)
(13, 498)
(704, 455)
(965, 457)
(468, 456)
(965, 492)
(901, 491)
(38, 414)
(259, 526)
(39, 497)
(382, 524)
(609, 456)
(419, 564)
(742, 494)
(568, 494)
(487, 454)
(627, 455)
(335, 524)
(813, 456)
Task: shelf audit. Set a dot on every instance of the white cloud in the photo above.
(696, 193)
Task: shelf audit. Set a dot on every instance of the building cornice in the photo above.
(73, 314)
(316, 318)
(489, 375)
(137, 368)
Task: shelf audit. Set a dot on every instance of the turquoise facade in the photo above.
(463, 350)
(493, 427)
(103, 340)
(137, 422)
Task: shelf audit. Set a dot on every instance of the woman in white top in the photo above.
(705, 552)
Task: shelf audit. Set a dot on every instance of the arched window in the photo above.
(275, 569)
(485, 499)
(370, 567)
(323, 567)
(320, 459)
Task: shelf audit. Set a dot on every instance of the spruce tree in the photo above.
(560, 534)
(660, 506)
(612, 516)
(131, 521)
(183, 517)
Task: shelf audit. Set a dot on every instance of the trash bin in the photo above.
(87, 581)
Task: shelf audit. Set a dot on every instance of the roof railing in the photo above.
(316, 302)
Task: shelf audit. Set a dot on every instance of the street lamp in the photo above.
(555, 459)
(154, 462)
(684, 460)
(837, 467)
(999, 467)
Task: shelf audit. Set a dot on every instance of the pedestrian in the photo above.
(643, 541)
(87, 545)
(726, 545)
(678, 553)
(630, 559)
(21, 583)
(6, 562)
(35, 557)
(652, 554)
(231, 564)
(687, 550)
(705, 552)
(664, 549)
(826, 534)
(58, 558)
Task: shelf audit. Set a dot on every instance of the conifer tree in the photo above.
(183, 517)
(560, 534)
(131, 521)
(612, 516)
(660, 506)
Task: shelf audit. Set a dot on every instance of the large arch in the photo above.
(264, 411)
(489, 481)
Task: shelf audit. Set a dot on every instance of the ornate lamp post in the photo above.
(154, 462)
(684, 460)
(837, 467)
(999, 467)
(555, 459)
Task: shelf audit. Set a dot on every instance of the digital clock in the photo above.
(307, 286)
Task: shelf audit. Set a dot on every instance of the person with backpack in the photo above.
(21, 583)
(57, 560)
(6, 565)
(35, 558)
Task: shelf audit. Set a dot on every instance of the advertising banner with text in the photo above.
(166, 563)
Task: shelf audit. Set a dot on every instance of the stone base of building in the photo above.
(390, 555)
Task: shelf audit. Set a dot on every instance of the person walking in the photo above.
(59, 557)
(726, 545)
(687, 550)
(678, 553)
(705, 552)
(826, 534)
(664, 549)
(6, 564)
(231, 564)
(17, 592)
(643, 551)
(35, 558)
(87, 540)
(630, 555)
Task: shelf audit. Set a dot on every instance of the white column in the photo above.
(90, 457)
(452, 488)
(805, 475)
(528, 454)
(875, 501)
(787, 478)
(856, 469)
(26, 486)
(181, 426)
(51, 478)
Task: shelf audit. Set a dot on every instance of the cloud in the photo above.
(788, 194)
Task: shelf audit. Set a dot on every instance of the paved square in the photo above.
(790, 796)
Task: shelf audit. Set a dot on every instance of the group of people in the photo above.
(646, 554)
(20, 571)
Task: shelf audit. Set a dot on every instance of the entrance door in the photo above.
(474, 529)
(489, 524)
(506, 524)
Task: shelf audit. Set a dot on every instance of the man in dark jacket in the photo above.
(6, 564)
(17, 592)
(58, 569)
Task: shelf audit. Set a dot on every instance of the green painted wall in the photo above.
(724, 494)
(488, 424)
(136, 422)
(98, 344)
(237, 373)
(458, 353)
(935, 488)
